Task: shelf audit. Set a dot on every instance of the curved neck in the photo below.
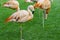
(30, 13)
(29, 10)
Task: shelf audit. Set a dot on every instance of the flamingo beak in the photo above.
(33, 12)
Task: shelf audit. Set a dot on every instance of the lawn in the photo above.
(32, 30)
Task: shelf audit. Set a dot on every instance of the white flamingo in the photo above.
(22, 15)
(14, 4)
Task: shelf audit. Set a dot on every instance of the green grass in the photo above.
(32, 30)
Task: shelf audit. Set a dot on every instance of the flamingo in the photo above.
(14, 4)
(45, 5)
(22, 15)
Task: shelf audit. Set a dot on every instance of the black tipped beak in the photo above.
(33, 12)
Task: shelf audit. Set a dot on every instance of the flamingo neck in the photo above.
(29, 10)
